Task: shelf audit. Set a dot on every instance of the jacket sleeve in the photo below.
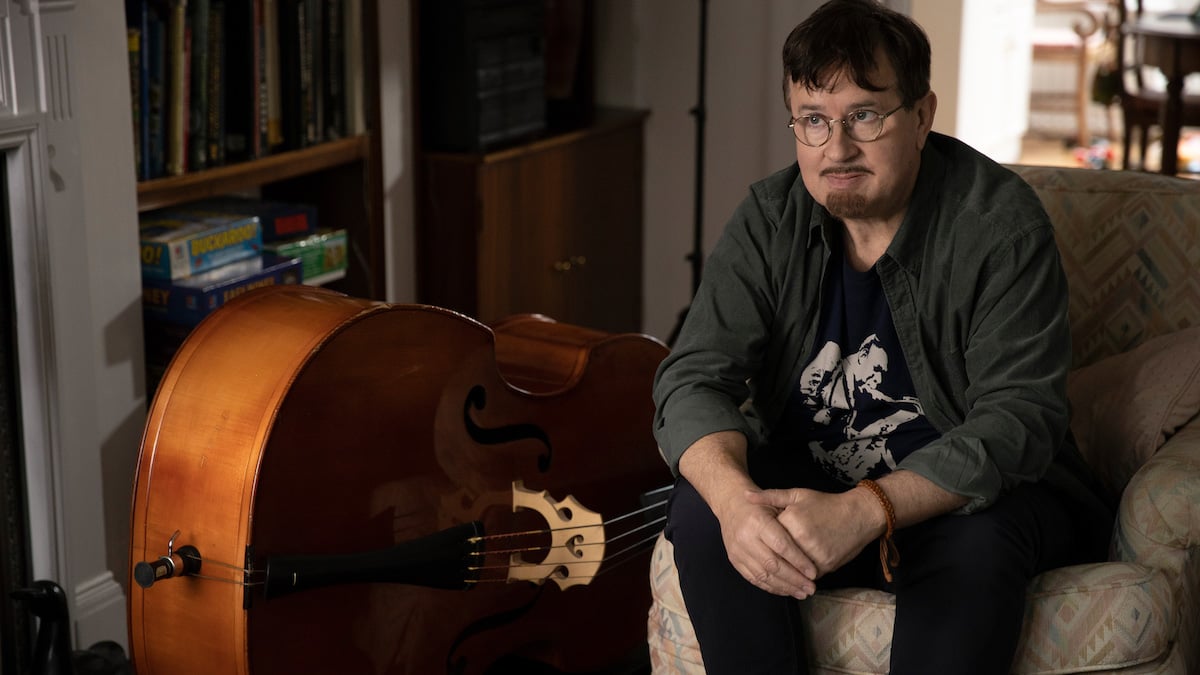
(1014, 356)
(700, 387)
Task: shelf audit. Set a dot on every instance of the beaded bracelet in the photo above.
(889, 555)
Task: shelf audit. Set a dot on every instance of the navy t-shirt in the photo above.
(855, 406)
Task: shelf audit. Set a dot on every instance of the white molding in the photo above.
(99, 605)
(21, 60)
(35, 333)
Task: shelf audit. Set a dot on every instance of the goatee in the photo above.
(844, 204)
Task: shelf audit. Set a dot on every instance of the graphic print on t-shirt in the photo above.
(846, 395)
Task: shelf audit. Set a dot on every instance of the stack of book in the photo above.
(222, 81)
(197, 257)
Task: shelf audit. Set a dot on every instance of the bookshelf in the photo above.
(172, 190)
(341, 177)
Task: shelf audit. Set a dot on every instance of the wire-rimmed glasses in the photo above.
(815, 129)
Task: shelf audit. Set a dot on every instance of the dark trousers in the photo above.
(959, 587)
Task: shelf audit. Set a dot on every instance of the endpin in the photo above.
(181, 563)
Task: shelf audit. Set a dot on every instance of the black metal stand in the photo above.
(696, 257)
(52, 653)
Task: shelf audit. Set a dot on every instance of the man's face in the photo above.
(870, 182)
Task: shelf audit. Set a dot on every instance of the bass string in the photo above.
(552, 530)
(586, 544)
(609, 563)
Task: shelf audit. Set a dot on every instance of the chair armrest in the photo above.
(1158, 519)
(1089, 17)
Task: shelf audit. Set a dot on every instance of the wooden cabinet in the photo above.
(553, 226)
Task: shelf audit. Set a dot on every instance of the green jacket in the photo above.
(978, 298)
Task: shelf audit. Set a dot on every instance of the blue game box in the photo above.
(188, 300)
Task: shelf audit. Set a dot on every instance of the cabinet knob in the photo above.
(570, 263)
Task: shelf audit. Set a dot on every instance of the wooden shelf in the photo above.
(160, 192)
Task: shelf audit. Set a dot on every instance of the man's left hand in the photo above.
(831, 528)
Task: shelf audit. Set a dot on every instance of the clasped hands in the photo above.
(782, 541)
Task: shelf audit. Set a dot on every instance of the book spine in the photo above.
(272, 75)
(156, 94)
(133, 40)
(199, 12)
(137, 19)
(261, 113)
(308, 129)
(316, 43)
(356, 121)
(215, 128)
(334, 71)
(240, 81)
(178, 104)
(289, 73)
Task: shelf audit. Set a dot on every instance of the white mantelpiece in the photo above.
(65, 128)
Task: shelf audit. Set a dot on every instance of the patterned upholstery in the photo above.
(1131, 247)
(1130, 243)
(1120, 611)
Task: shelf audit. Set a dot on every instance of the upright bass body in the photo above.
(297, 421)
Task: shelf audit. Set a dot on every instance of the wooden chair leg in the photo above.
(1126, 142)
(1144, 136)
(1082, 98)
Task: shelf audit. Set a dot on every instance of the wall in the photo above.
(113, 284)
(980, 70)
(648, 55)
(395, 103)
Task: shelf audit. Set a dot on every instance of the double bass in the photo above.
(333, 485)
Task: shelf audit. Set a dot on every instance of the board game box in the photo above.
(323, 254)
(188, 300)
(278, 220)
(176, 244)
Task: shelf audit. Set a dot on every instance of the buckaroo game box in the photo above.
(176, 244)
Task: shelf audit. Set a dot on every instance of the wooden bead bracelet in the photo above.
(889, 555)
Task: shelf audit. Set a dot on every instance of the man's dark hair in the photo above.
(844, 35)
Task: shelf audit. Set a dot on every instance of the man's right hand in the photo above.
(759, 546)
(761, 549)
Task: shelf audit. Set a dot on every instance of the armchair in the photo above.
(1131, 248)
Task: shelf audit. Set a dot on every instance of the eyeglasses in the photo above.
(815, 130)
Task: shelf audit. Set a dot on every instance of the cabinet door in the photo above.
(561, 232)
(605, 232)
(523, 207)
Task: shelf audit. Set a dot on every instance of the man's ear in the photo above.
(925, 109)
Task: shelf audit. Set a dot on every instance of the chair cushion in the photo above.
(1125, 407)
(1087, 617)
(673, 646)
(1095, 617)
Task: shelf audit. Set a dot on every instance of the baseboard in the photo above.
(98, 612)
